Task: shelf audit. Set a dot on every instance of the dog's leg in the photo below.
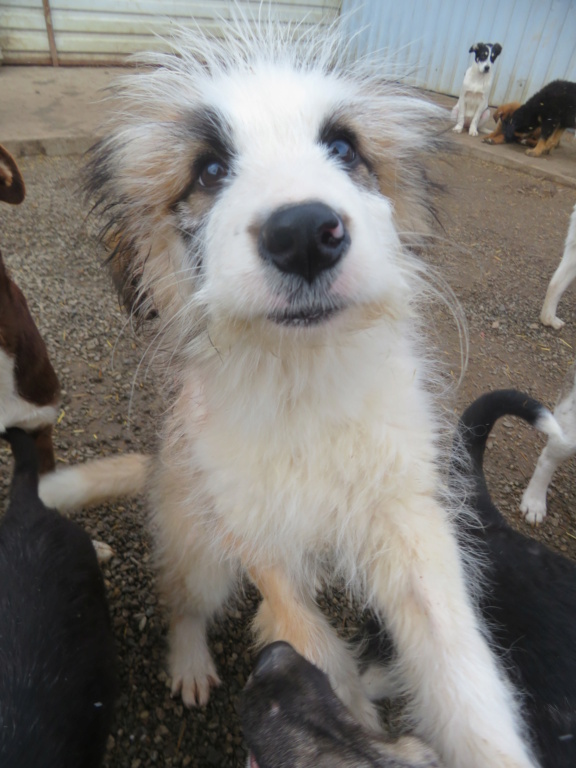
(558, 449)
(556, 136)
(459, 114)
(193, 601)
(289, 613)
(460, 702)
(480, 116)
(194, 577)
(565, 274)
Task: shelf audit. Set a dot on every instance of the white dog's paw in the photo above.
(193, 677)
(458, 128)
(191, 667)
(473, 131)
(103, 551)
(552, 321)
(533, 509)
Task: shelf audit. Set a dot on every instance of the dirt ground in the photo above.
(502, 237)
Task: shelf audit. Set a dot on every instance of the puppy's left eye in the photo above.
(212, 173)
(344, 150)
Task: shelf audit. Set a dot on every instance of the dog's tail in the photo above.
(24, 488)
(96, 481)
(476, 424)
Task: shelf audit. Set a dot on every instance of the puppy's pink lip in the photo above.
(304, 318)
(253, 763)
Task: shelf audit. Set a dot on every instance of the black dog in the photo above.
(531, 599)
(292, 718)
(552, 109)
(57, 659)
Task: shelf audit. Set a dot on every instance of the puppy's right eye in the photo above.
(212, 173)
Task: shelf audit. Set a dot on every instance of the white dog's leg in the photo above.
(558, 448)
(194, 579)
(288, 613)
(459, 114)
(533, 504)
(460, 702)
(477, 119)
(565, 274)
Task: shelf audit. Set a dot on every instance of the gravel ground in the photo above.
(502, 238)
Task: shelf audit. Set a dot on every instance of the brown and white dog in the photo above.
(29, 387)
(266, 192)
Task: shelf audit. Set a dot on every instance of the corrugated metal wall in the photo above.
(105, 31)
(430, 39)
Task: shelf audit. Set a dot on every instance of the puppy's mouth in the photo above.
(304, 317)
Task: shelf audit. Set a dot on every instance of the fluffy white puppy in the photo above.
(263, 190)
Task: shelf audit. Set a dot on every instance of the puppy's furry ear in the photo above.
(496, 49)
(474, 48)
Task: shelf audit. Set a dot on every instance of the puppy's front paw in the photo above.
(552, 321)
(534, 510)
(458, 128)
(192, 679)
(488, 140)
(190, 664)
(473, 131)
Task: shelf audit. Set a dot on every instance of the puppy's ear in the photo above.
(12, 189)
(496, 49)
(474, 48)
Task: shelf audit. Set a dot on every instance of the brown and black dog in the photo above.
(552, 110)
(501, 117)
(29, 387)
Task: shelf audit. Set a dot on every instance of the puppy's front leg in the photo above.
(478, 118)
(459, 114)
(288, 612)
(460, 701)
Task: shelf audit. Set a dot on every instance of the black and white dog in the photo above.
(531, 592)
(472, 107)
(57, 659)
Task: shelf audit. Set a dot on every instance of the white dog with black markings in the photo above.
(264, 191)
(472, 107)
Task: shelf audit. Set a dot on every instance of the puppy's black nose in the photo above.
(304, 239)
(487, 68)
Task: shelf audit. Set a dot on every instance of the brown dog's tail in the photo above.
(95, 482)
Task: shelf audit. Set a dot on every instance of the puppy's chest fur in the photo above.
(298, 469)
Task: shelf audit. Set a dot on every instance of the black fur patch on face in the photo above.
(211, 132)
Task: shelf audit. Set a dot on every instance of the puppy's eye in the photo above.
(344, 150)
(212, 173)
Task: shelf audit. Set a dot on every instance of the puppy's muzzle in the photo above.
(305, 239)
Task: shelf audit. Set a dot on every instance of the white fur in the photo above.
(472, 105)
(561, 279)
(15, 411)
(560, 446)
(298, 453)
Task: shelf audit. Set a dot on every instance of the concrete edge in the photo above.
(515, 163)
